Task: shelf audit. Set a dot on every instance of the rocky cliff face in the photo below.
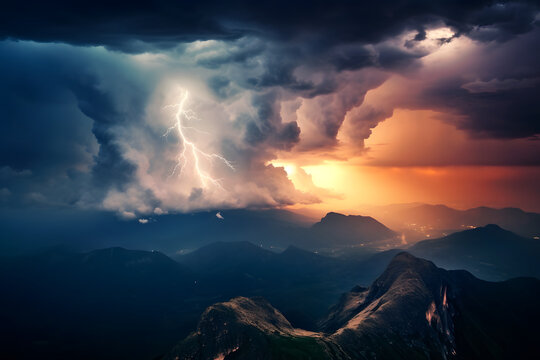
(405, 311)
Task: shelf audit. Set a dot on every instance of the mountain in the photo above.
(223, 255)
(108, 303)
(414, 310)
(435, 220)
(114, 302)
(489, 252)
(245, 328)
(300, 283)
(350, 230)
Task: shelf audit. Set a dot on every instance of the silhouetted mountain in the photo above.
(300, 283)
(243, 256)
(113, 303)
(489, 252)
(350, 230)
(220, 256)
(434, 219)
(414, 310)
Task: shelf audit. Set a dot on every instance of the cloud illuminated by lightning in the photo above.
(190, 155)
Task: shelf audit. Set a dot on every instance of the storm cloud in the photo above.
(86, 91)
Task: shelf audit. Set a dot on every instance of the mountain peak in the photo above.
(245, 328)
(220, 255)
(405, 262)
(487, 231)
(405, 256)
(293, 250)
(491, 227)
(350, 230)
(334, 216)
(256, 312)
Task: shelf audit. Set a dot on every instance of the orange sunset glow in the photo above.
(414, 156)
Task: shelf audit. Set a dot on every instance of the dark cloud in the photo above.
(390, 57)
(509, 113)
(319, 33)
(110, 167)
(503, 101)
(39, 118)
(283, 36)
(59, 117)
(241, 51)
(351, 57)
(488, 89)
(121, 24)
(503, 20)
(221, 86)
(268, 127)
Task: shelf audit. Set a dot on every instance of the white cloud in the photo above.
(159, 211)
(128, 215)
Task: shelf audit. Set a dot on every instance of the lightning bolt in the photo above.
(188, 147)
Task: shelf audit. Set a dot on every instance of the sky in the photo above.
(143, 108)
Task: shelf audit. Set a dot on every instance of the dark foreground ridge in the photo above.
(414, 310)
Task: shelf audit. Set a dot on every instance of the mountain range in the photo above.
(391, 226)
(418, 220)
(114, 303)
(414, 310)
(60, 304)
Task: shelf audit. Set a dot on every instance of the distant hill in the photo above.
(414, 310)
(300, 283)
(350, 230)
(436, 218)
(60, 304)
(489, 252)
